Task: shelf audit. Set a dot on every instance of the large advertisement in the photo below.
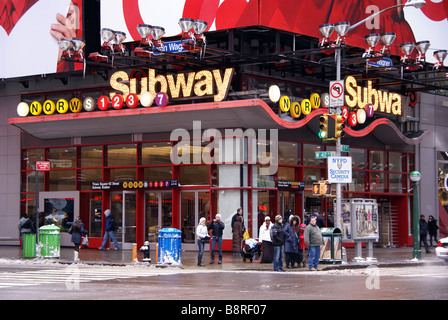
(29, 35)
(298, 16)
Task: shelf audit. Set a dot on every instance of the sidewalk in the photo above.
(386, 257)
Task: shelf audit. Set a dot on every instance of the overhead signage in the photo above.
(43, 165)
(186, 85)
(361, 97)
(122, 185)
(385, 62)
(153, 89)
(171, 47)
(339, 169)
(296, 185)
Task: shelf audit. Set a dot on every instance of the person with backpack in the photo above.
(110, 230)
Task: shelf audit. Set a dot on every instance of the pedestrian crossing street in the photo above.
(70, 276)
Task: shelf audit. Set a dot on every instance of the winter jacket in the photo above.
(24, 225)
(292, 240)
(237, 235)
(217, 228)
(302, 235)
(313, 236)
(423, 227)
(77, 231)
(201, 231)
(277, 234)
(265, 233)
(110, 222)
(432, 227)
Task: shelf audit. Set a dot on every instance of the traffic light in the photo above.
(323, 126)
(339, 127)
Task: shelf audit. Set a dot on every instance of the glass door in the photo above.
(123, 207)
(194, 205)
(158, 213)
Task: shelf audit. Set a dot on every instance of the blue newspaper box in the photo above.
(169, 242)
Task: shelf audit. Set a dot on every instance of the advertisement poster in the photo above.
(297, 16)
(29, 35)
(365, 219)
(346, 226)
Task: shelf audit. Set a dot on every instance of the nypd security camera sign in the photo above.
(339, 169)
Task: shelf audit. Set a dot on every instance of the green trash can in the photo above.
(331, 250)
(29, 245)
(50, 241)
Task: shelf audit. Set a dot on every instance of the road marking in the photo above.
(61, 276)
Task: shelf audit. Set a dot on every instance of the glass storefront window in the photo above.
(358, 181)
(29, 181)
(155, 153)
(62, 180)
(377, 160)
(359, 158)
(157, 173)
(29, 158)
(396, 161)
(312, 175)
(377, 182)
(62, 158)
(91, 156)
(86, 177)
(309, 155)
(125, 174)
(397, 183)
(264, 181)
(286, 174)
(121, 155)
(194, 175)
(288, 153)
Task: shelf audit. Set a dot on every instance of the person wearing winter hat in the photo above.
(278, 240)
(202, 239)
(217, 227)
(110, 230)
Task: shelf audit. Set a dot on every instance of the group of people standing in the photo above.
(278, 239)
(291, 237)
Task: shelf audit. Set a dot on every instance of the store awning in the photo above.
(253, 113)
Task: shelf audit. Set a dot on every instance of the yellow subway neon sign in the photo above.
(182, 85)
(383, 101)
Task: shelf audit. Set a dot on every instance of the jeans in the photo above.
(201, 249)
(110, 234)
(313, 256)
(278, 258)
(214, 241)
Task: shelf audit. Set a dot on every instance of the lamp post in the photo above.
(342, 29)
(415, 177)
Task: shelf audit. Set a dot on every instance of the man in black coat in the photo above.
(424, 232)
(278, 240)
(217, 227)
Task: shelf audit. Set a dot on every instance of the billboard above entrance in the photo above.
(297, 16)
(29, 35)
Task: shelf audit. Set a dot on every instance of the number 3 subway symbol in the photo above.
(336, 90)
